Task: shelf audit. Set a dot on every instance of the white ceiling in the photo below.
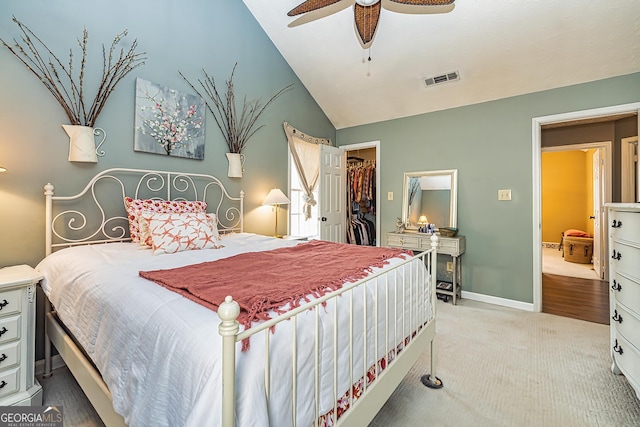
(501, 48)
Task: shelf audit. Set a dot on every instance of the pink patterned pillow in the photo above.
(135, 206)
(176, 232)
(145, 234)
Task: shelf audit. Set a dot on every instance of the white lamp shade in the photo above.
(2, 169)
(276, 197)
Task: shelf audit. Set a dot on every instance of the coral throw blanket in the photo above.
(265, 281)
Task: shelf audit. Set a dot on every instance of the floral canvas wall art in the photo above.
(168, 122)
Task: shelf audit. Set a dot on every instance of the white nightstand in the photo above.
(18, 385)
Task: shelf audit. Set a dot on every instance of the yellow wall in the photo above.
(567, 195)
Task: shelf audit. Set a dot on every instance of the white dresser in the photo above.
(18, 385)
(624, 280)
(452, 246)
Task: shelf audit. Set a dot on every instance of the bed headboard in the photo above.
(97, 214)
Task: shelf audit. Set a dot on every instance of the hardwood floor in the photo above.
(583, 299)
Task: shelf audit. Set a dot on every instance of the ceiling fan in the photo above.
(366, 12)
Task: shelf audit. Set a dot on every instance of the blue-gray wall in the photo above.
(177, 35)
(490, 145)
(185, 36)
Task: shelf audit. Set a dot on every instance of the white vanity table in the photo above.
(452, 246)
(432, 197)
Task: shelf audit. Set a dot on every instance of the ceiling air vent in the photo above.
(442, 78)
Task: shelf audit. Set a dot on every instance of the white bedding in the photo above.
(159, 353)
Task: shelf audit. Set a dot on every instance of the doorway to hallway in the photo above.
(627, 112)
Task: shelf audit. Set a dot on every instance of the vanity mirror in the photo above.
(432, 194)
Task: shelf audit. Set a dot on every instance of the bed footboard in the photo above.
(355, 408)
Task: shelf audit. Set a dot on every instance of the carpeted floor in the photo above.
(499, 366)
(506, 367)
(554, 263)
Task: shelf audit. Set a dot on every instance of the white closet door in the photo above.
(598, 209)
(332, 186)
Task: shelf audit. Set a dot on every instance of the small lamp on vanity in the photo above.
(276, 198)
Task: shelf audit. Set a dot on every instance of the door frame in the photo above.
(536, 151)
(361, 146)
(628, 193)
(605, 184)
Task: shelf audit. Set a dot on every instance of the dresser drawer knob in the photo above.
(3, 304)
(617, 348)
(616, 316)
(616, 255)
(616, 224)
(616, 286)
(3, 383)
(3, 331)
(3, 357)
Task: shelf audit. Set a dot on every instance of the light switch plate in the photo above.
(504, 194)
(390, 195)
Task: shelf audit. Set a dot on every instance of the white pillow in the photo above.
(176, 232)
(145, 234)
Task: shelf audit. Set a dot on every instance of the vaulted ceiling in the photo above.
(499, 49)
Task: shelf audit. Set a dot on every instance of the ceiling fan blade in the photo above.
(366, 19)
(419, 6)
(310, 6)
(320, 13)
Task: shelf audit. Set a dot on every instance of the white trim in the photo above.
(628, 193)
(586, 146)
(526, 306)
(536, 144)
(362, 146)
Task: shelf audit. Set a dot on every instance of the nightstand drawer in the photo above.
(10, 302)
(451, 245)
(448, 246)
(624, 259)
(626, 324)
(9, 328)
(626, 292)
(627, 358)
(627, 226)
(406, 241)
(9, 355)
(9, 382)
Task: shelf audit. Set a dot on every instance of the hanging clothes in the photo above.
(361, 190)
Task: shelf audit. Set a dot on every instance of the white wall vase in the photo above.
(82, 143)
(236, 165)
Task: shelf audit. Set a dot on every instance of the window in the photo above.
(298, 225)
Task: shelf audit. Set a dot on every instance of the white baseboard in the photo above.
(56, 362)
(526, 306)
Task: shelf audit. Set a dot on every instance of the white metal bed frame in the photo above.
(189, 186)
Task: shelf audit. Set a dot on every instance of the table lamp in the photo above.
(276, 198)
(423, 220)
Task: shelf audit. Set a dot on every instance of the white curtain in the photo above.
(305, 151)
